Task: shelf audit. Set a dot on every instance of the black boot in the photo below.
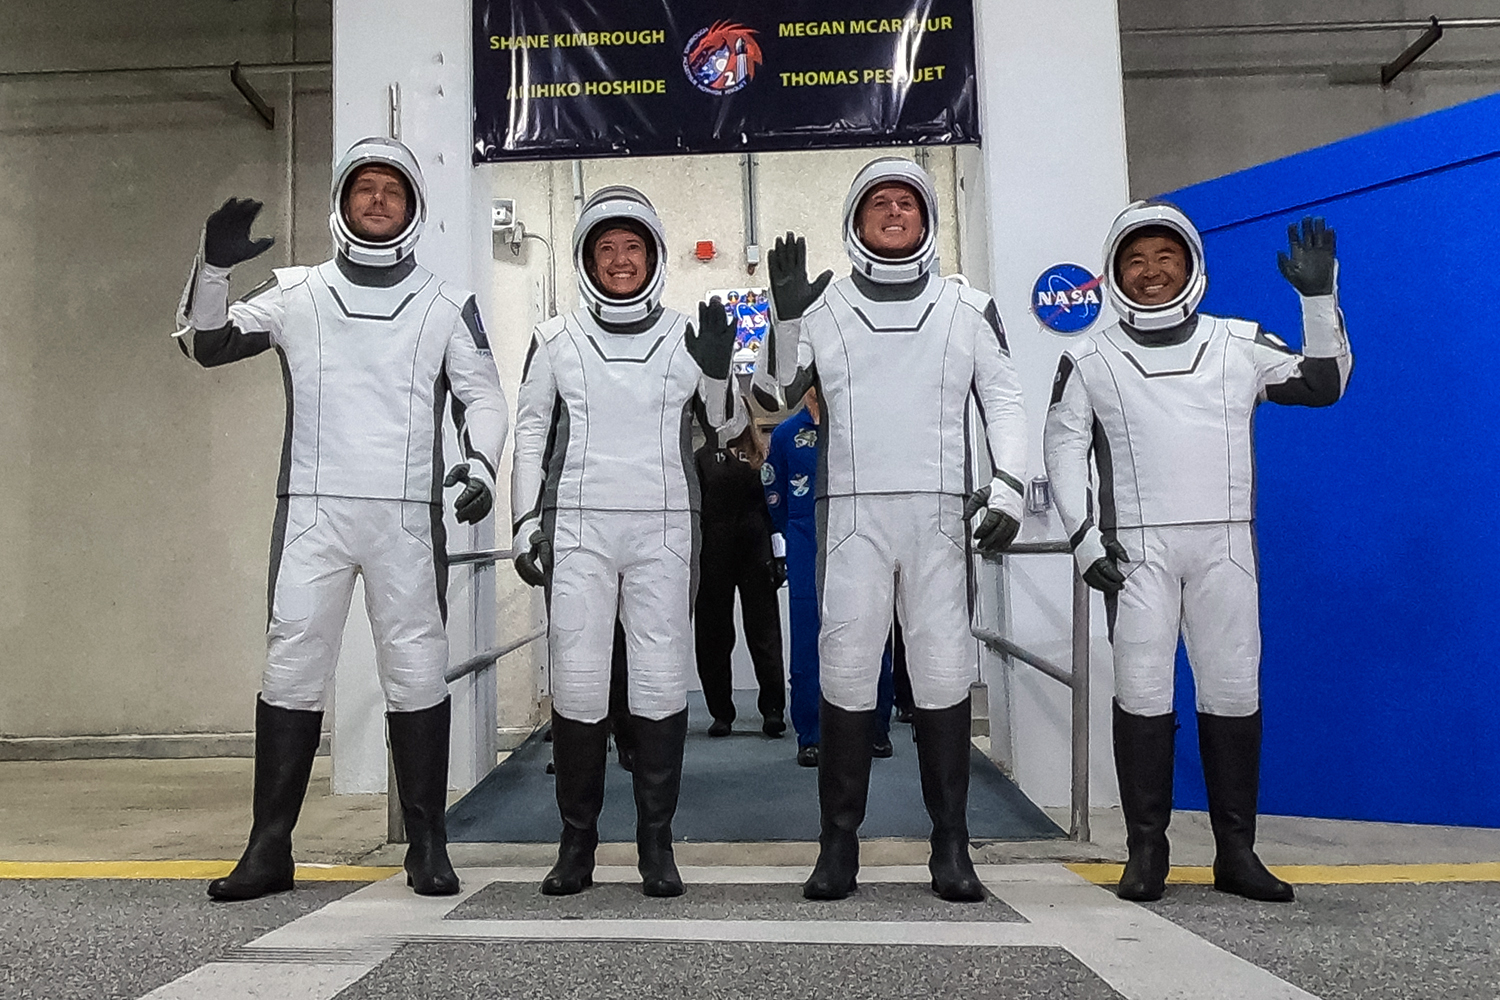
(843, 787)
(579, 750)
(286, 740)
(943, 760)
(419, 755)
(1230, 748)
(657, 779)
(1144, 748)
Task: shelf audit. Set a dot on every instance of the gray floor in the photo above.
(1366, 942)
(522, 901)
(111, 940)
(741, 788)
(665, 971)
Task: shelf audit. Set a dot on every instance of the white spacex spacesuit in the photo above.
(604, 467)
(896, 373)
(1169, 422)
(371, 345)
(898, 354)
(1164, 400)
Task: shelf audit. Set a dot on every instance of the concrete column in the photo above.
(403, 69)
(1053, 174)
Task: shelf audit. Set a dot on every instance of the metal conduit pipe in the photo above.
(274, 68)
(1305, 28)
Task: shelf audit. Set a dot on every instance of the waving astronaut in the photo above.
(897, 352)
(1164, 401)
(606, 506)
(371, 346)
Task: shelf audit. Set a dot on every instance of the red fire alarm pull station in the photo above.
(704, 250)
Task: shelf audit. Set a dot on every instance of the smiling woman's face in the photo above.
(619, 263)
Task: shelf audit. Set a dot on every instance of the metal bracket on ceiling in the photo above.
(1413, 52)
(248, 91)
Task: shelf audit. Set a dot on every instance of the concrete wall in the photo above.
(1198, 108)
(137, 491)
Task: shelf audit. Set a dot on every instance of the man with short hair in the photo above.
(1164, 400)
(606, 516)
(371, 346)
(897, 353)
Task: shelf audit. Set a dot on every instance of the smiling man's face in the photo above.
(375, 203)
(1153, 269)
(890, 220)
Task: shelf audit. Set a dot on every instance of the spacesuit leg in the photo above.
(1144, 623)
(857, 585)
(655, 601)
(1222, 629)
(312, 582)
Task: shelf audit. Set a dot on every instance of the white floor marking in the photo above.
(1139, 954)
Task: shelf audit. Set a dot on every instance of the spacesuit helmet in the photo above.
(620, 207)
(885, 270)
(1157, 215)
(361, 250)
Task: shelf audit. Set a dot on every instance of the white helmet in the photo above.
(885, 270)
(384, 253)
(619, 203)
(1142, 215)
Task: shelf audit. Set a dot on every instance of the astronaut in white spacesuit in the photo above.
(604, 495)
(371, 346)
(897, 353)
(1165, 400)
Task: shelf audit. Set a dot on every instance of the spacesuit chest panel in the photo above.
(364, 365)
(1176, 428)
(895, 377)
(626, 396)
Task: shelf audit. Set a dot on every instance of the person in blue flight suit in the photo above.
(789, 475)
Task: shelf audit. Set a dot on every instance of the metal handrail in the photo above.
(478, 662)
(1076, 678)
(480, 557)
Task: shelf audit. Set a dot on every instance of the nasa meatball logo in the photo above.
(1067, 298)
(722, 59)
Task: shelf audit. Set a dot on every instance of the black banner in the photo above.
(563, 79)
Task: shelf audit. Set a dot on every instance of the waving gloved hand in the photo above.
(478, 497)
(226, 235)
(1104, 572)
(712, 346)
(534, 565)
(790, 289)
(1001, 505)
(1312, 266)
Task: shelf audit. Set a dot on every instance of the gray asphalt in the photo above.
(523, 901)
(588, 971)
(116, 940)
(1365, 942)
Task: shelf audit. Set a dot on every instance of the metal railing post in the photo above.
(1079, 682)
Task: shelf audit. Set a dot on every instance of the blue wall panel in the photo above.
(1377, 519)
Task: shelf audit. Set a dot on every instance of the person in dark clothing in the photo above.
(736, 555)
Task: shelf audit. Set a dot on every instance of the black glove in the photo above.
(475, 501)
(996, 530)
(712, 346)
(789, 286)
(777, 570)
(1104, 573)
(534, 566)
(226, 235)
(1310, 268)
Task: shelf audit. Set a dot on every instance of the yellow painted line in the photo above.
(177, 869)
(1483, 871)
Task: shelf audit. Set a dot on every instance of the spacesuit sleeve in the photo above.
(480, 411)
(1066, 442)
(1320, 374)
(536, 406)
(725, 410)
(212, 331)
(997, 389)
